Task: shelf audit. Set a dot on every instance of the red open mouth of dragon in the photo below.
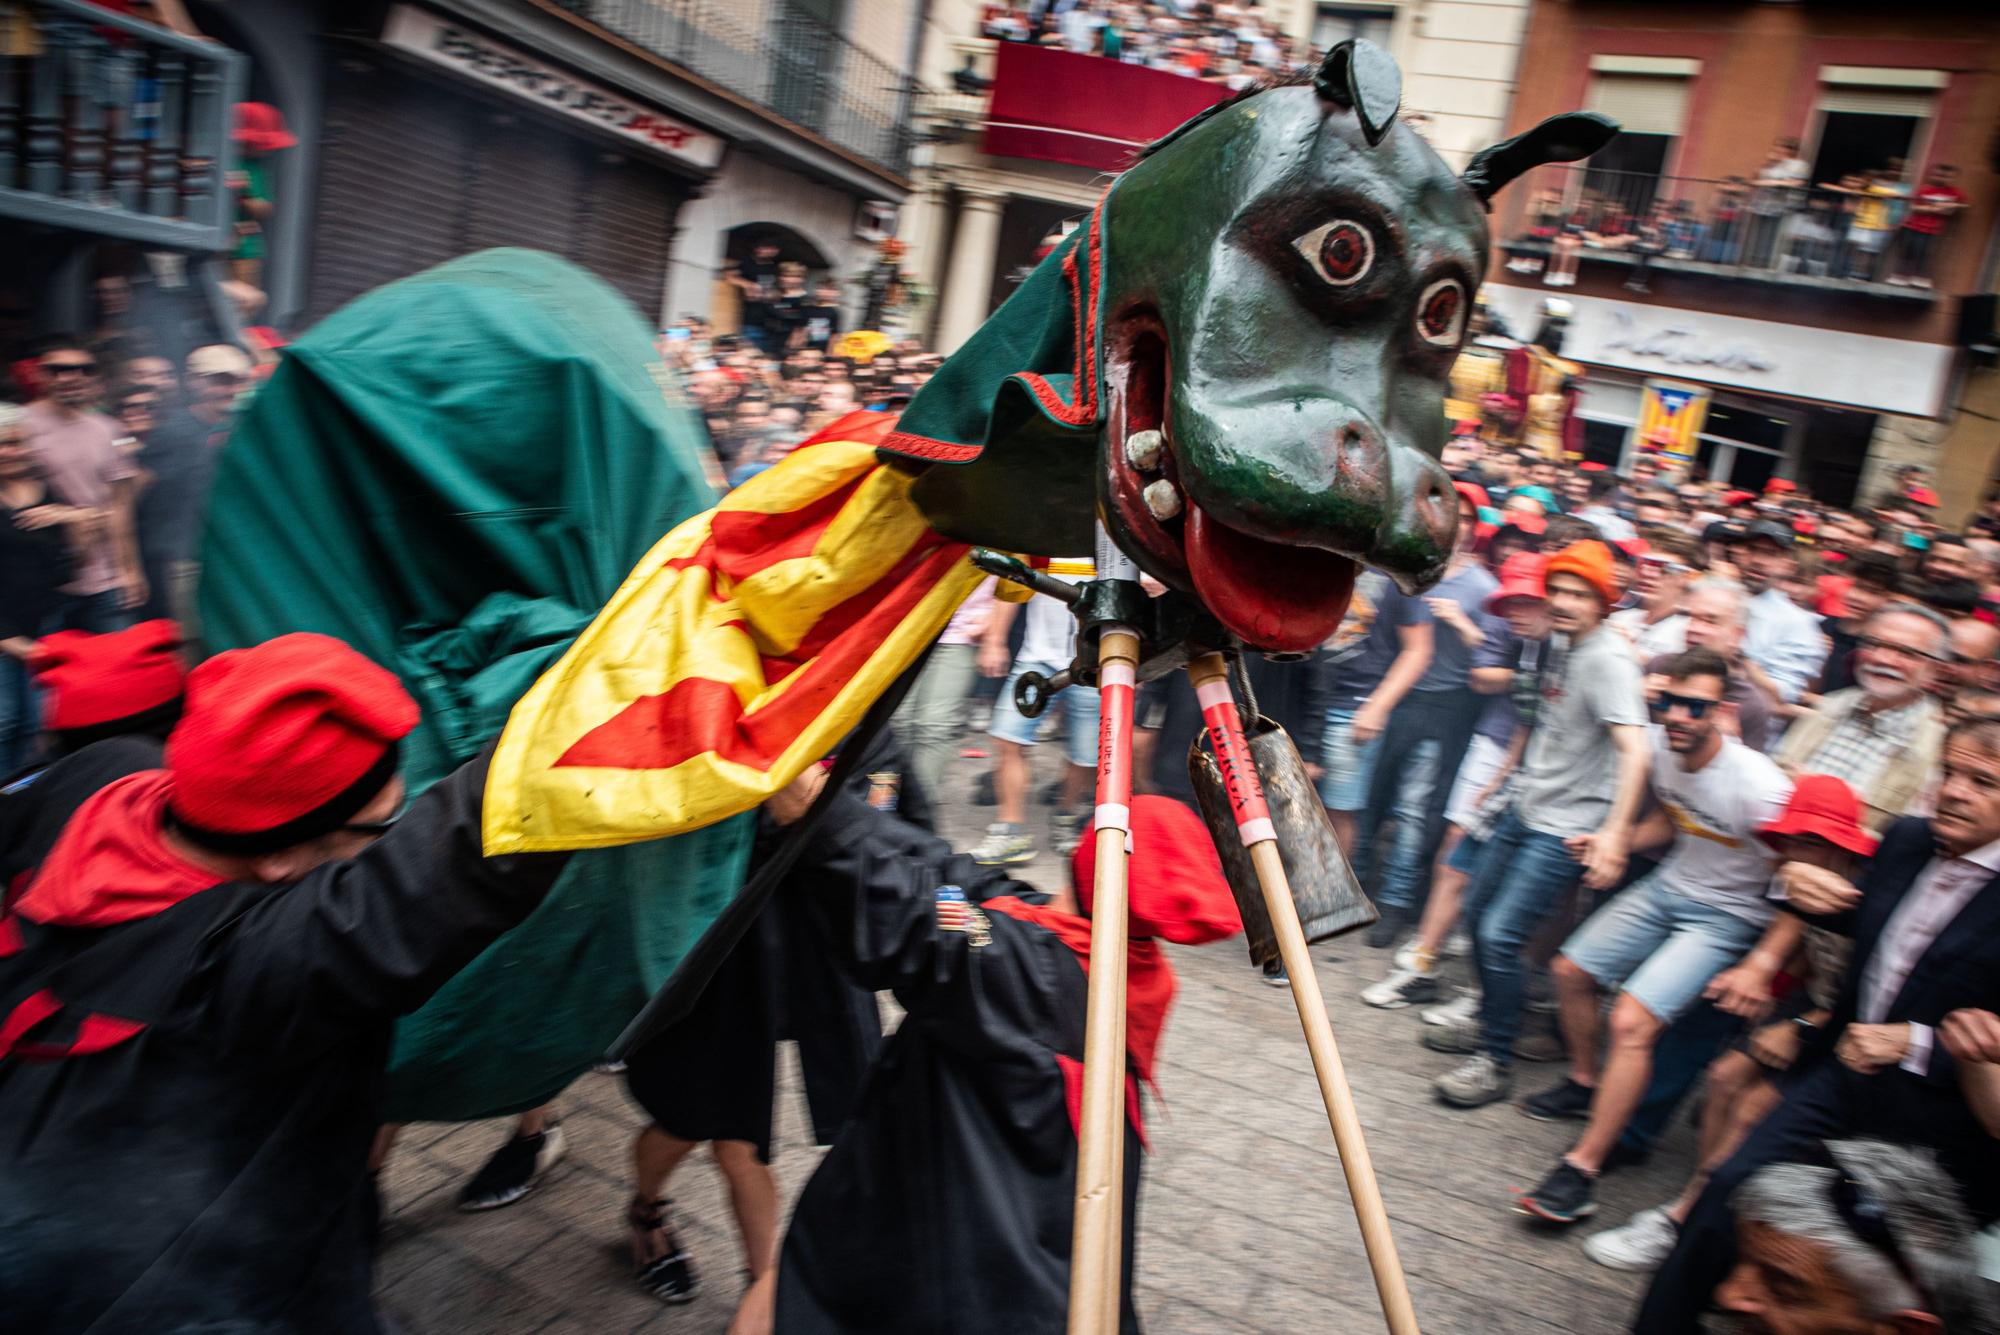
(1275, 596)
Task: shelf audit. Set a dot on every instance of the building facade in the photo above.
(986, 206)
(1759, 233)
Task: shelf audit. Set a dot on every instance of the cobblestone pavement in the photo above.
(1245, 1222)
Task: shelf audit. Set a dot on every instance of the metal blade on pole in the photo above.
(1210, 675)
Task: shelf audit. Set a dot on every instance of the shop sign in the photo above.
(479, 57)
(1795, 361)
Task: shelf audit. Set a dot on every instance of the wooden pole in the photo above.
(1098, 1237)
(1210, 676)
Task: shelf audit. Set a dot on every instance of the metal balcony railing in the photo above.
(794, 64)
(116, 127)
(1837, 236)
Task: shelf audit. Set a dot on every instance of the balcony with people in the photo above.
(795, 64)
(1877, 234)
(116, 127)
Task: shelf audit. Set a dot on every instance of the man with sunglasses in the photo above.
(78, 449)
(1663, 938)
(197, 987)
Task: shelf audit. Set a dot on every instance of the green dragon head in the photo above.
(1254, 328)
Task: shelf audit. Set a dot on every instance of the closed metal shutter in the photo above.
(527, 184)
(1917, 103)
(1641, 103)
(626, 228)
(392, 185)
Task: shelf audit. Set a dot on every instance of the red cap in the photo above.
(1465, 426)
(283, 742)
(1632, 547)
(1473, 492)
(95, 680)
(1520, 577)
(1738, 497)
(1827, 807)
(260, 127)
(1590, 466)
(1781, 484)
(1921, 496)
(1527, 523)
(1589, 561)
(1177, 891)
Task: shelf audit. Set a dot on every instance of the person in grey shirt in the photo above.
(1579, 785)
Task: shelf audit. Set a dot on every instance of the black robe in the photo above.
(209, 1173)
(946, 1204)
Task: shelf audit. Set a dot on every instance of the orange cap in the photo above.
(1589, 561)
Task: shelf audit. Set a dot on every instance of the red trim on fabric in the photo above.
(1149, 978)
(112, 863)
(1072, 1078)
(16, 887)
(697, 715)
(11, 943)
(923, 447)
(98, 1032)
(32, 1010)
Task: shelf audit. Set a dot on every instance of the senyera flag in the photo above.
(748, 642)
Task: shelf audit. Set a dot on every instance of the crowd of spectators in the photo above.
(1882, 225)
(1221, 43)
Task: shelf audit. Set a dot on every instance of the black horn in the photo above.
(1359, 74)
(1564, 138)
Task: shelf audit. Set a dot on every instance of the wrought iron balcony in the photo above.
(116, 127)
(796, 66)
(1834, 238)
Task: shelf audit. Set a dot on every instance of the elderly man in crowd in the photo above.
(1925, 921)
(1877, 1243)
(1882, 735)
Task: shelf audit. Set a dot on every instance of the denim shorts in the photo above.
(1077, 703)
(1660, 947)
(1350, 766)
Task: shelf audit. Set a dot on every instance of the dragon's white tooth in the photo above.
(1144, 448)
(1163, 499)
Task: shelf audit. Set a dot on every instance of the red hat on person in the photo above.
(1590, 466)
(283, 742)
(1520, 577)
(1781, 485)
(260, 128)
(1824, 806)
(1473, 492)
(1924, 496)
(1589, 561)
(110, 683)
(1465, 426)
(1633, 547)
(1176, 887)
(1738, 497)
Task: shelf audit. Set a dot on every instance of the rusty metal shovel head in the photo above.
(1329, 897)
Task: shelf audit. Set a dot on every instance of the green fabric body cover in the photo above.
(453, 474)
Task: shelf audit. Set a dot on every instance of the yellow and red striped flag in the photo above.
(750, 640)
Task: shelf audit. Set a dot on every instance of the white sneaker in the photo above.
(1405, 957)
(1463, 1007)
(1642, 1243)
(1403, 987)
(1457, 946)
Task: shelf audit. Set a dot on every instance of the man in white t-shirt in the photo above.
(1047, 647)
(1663, 939)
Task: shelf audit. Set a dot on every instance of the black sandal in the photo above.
(660, 1263)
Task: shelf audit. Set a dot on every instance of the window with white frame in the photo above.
(1869, 120)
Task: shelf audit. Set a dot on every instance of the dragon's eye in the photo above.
(1341, 252)
(1441, 313)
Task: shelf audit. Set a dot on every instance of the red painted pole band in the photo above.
(1232, 757)
(1117, 683)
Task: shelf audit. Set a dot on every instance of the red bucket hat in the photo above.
(1824, 806)
(1177, 891)
(260, 127)
(283, 742)
(1520, 577)
(106, 684)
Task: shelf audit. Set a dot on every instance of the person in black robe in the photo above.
(947, 1203)
(196, 992)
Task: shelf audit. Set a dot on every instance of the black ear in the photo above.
(1564, 138)
(1359, 74)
